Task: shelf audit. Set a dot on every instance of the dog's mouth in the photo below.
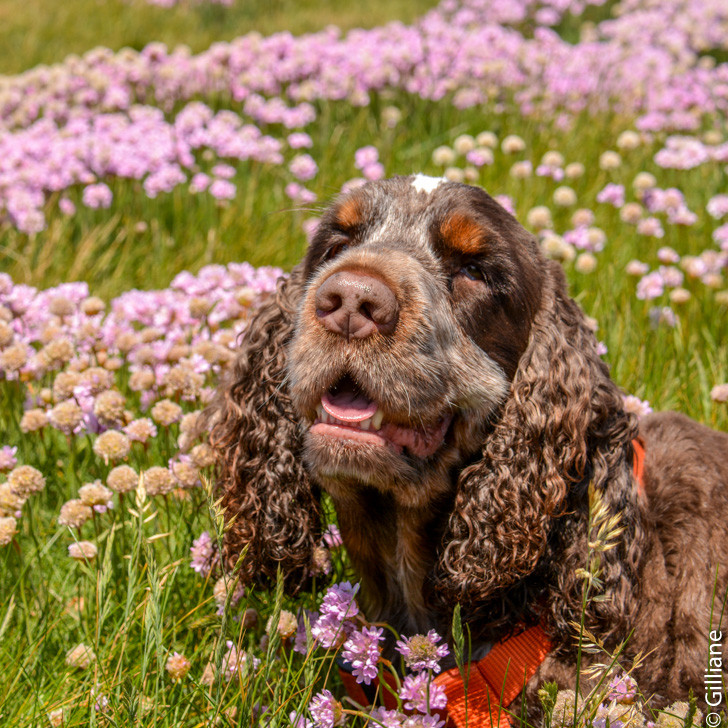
(346, 412)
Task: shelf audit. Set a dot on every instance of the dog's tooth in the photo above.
(320, 412)
(364, 424)
(325, 417)
(376, 419)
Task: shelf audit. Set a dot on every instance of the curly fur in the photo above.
(496, 519)
(274, 515)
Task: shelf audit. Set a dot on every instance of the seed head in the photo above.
(98, 496)
(141, 430)
(74, 513)
(61, 306)
(142, 380)
(183, 382)
(25, 480)
(159, 481)
(92, 305)
(177, 666)
(80, 657)
(122, 479)
(109, 408)
(6, 335)
(8, 529)
(13, 358)
(112, 445)
(64, 384)
(166, 413)
(287, 624)
(83, 551)
(33, 420)
(202, 455)
(57, 352)
(97, 379)
(187, 475)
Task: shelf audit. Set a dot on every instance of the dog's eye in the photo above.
(334, 249)
(473, 271)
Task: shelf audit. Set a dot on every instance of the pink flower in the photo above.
(365, 156)
(651, 286)
(98, 195)
(303, 167)
(420, 693)
(299, 140)
(222, 189)
(422, 652)
(612, 194)
(362, 652)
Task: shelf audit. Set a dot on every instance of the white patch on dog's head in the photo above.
(423, 183)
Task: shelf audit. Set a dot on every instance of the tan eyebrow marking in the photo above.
(462, 233)
(350, 213)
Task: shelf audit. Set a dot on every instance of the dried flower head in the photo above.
(141, 430)
(142, 380)
(97, 379)
(122, 479)
(186, 473)
(98, 496)
(92, 305)
(182, 381)
(202, 455)
(80, 657)
(61, 306)
(166, 413)
(189, 422)
(8, 529)
(109, 408)
(6, 335)
(13, 358)
(33, 420)
(83, 551)
(287, 624)
(159, 481)
(11, 502)
(57, 352)
(64, 384)
(66, 416)
(25, 480)
(177, 666)
(112, 445)
(74, 513)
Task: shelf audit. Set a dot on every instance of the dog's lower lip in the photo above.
(354, 434)
(422, 442)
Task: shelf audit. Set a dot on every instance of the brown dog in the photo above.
(425, 367)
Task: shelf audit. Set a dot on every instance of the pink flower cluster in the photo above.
(104, 115)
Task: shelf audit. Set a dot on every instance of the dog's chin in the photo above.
(341, 461)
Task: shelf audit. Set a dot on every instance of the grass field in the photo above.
(121, 169)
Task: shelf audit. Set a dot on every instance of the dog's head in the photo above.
(424, 349)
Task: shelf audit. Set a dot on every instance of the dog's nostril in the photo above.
(356, 305)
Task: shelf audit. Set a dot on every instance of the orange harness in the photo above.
(495, 681)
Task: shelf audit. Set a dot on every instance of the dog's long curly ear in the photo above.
(271, 507)
(562, 426)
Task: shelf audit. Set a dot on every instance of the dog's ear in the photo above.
(562, 426)
(271, 507)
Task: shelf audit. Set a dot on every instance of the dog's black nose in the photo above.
(356, 305)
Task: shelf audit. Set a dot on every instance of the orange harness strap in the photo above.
(495, 681)
(638, 463)
(499, 678)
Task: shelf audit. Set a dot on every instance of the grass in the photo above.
(139, 601)
(38, 31)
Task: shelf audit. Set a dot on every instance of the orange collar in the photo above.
(499, 678)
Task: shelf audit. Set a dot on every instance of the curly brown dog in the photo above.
(425, 367)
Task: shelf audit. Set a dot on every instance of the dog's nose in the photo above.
(356, 305)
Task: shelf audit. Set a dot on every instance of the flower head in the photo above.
(177, 666)
(362, 651)
(422, 652)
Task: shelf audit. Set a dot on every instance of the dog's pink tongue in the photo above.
(348, 405)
